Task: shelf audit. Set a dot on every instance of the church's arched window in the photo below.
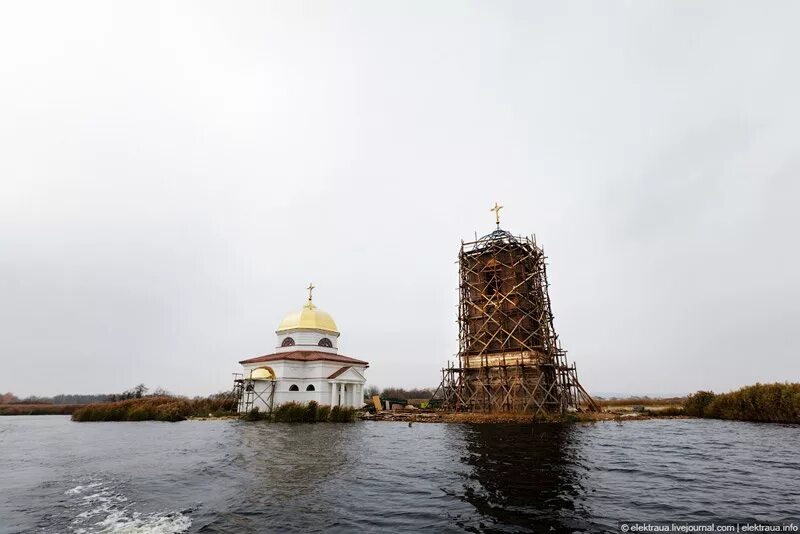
(325, 342)
(310, 387)
(287, 342)
(294, 387)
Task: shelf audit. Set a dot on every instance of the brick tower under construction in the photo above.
(510, 358)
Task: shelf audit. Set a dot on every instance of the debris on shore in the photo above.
(429, 416)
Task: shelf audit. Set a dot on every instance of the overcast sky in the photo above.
(174, 174)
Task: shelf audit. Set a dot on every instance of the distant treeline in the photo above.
(142, 391)
(136, 392)
(157, 408)
(645, 401)
(66, 399)
(769, 403)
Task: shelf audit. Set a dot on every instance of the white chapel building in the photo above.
(305, 366)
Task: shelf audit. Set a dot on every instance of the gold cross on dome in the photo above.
(496, 209)
(310, 289)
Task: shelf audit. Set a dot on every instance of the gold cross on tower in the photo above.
(496, 209)
(310, 289)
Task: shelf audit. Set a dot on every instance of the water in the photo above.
(231, 476)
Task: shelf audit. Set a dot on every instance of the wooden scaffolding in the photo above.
(510, 358)
(246, 390)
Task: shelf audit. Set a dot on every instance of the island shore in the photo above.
(769, 403)
(420, 416)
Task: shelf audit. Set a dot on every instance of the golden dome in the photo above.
(309, 317)
(262, 373)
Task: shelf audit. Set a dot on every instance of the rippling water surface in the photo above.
(232, 476)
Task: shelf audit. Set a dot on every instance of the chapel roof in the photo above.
(339, 372)
(306, 356)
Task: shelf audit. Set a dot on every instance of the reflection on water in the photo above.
(308, 453)
(276, 471)
(234, 477)
(525, 475)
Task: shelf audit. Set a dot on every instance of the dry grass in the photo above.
(161, 408)
(769, 403)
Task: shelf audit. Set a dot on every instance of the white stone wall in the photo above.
(305, 339)
(289, 372)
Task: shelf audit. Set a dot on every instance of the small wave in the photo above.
(101, 507)
(157, 523)
(80, 488)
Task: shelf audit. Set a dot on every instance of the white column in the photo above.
(333, 393)
(342, 398)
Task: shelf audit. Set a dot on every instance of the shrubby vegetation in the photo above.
(167, 408)
(156, 408)
(696, 404)
(771, 403)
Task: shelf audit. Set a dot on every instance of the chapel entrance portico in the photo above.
(347, 387)
(347, 394)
